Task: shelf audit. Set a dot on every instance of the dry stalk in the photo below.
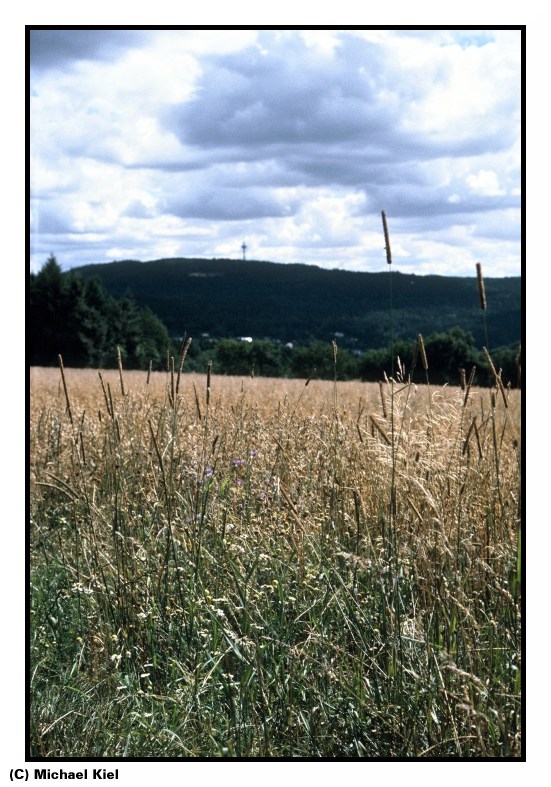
(209, 370)
(62, 370)
(497, 377)
(181, 363)
(171, 390)
(422, 351)
(197, 405)
(383, 403)
(119, 364)
(381, 431)
(481, 288)
(468, 389)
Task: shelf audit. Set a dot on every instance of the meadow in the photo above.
(261, 568)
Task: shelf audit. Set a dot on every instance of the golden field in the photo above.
(249, 567)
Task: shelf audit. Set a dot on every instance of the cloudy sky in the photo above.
(161, 143)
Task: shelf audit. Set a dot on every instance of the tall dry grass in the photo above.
(273, 568)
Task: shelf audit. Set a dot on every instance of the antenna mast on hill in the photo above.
(244, 247)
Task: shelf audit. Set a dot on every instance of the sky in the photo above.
(152, 143)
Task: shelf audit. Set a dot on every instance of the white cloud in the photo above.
(189, 140)
(485, 182)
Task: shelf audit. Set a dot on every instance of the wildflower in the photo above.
(253, 453)
(238, 462)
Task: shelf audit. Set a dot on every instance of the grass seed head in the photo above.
(387, 239)
(481, 288)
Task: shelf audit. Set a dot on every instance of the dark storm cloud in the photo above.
(228, 204)
(283, 96)
(59, 48)
(53, 220)
(404, 202)
(138, 210)
(318, 122)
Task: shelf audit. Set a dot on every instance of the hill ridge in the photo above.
(301, 302)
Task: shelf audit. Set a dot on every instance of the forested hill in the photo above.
(299, 303)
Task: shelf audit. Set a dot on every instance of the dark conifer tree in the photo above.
(78, 319)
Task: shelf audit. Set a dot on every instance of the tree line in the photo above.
(77, 318)
(447, 354)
